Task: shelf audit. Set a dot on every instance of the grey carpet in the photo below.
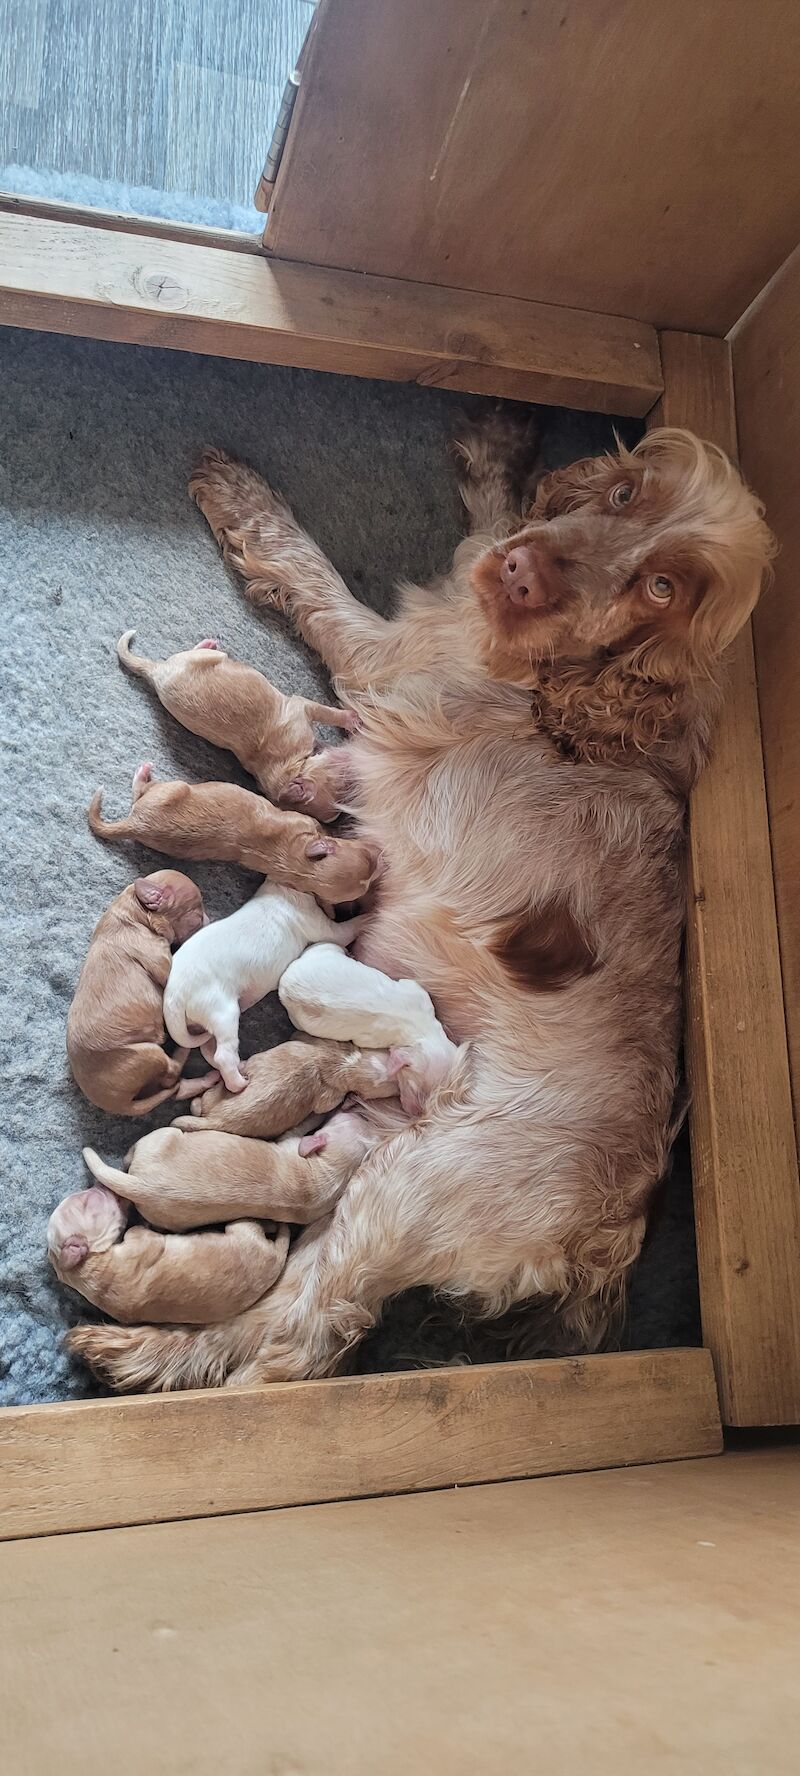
(97, 535)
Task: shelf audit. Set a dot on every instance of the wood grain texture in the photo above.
(120, 222)
(766, 363)
(637, 159)
(68, 279)
(744, 1158)
(180, 95)
(146, 1459)
(613, 1623)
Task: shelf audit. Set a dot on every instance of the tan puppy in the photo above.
(178, 1179)
(234, 706)
(287, 1084)
(115, 1027)
(222, 822)
(168, 1278)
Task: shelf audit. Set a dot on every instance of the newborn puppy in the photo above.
(231, 825)
(287, 1084)
(234, 706)
(173, 1278)
(230, 965)
(179, 1179)
(329, 994)
(115, 1026)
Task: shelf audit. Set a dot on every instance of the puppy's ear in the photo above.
(397, 1060)
(320, 848)
(156, 897)
(73, 1251)
(312, 1144)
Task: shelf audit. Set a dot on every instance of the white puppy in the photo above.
(329, 994)
(234, 962)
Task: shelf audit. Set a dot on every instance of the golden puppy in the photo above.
(184, 1278)
(236, 707)
(115, 1027)
(222, 822)
(179, 1179)
(289, 1083)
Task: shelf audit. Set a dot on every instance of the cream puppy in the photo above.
(180, 1180)
(329, 994)
(234, 962)
(183, 1278)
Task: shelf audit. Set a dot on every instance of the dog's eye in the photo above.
(659, 588)
(621, 495)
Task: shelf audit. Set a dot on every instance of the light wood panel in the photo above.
(744, 1159)
(613, 1623)
(766, 362)
(146, 1459)
(68, 279)
(636, 158)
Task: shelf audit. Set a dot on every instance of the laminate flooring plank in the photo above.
(175, 94)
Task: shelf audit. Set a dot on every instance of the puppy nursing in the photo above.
(235, 707)
(223, 822)
(289, 1084)
(233, 963)
(193, 1278)
(330, 994)
(179, 1179)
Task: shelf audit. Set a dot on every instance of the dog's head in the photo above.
(172, 903)
(654, 556)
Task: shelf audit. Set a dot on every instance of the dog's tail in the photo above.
(111, 1176)
(156, 1359)
(103, 829)
(135, 663)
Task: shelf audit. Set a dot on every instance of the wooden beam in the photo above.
(744, 1158)
(151, 1458)
(100, 284)
(49, 209)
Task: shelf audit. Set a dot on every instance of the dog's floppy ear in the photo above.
(320, 848)
(156, 897)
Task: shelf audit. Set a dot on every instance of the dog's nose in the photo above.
(521, 576)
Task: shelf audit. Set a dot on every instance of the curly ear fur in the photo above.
(620, 713)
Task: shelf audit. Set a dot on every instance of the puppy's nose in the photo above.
(521, 576)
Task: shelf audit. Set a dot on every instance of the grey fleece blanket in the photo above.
(97, 535)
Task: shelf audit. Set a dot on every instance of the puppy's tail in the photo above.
(106, 1174)
(135, 663)
(155, 1359)
(103, 829)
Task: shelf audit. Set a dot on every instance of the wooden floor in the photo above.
(611, 1622)
(176, 94)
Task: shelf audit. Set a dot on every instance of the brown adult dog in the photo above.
(235, 707)
(289, 1083)
(231, 825)
(180, 1180)
(166, 1277)
(531, 729)
(115, 1027)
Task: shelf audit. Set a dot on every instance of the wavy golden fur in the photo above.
(530, 728)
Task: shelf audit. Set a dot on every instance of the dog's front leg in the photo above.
(282, 567)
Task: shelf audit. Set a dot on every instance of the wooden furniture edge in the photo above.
(744, 1157)
(117, 285)
(154, 1458)
(50, 209)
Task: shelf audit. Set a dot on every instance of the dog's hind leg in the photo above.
(495, 458)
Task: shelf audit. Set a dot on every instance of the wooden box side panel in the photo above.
(744, 1156)
(149, 1459)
